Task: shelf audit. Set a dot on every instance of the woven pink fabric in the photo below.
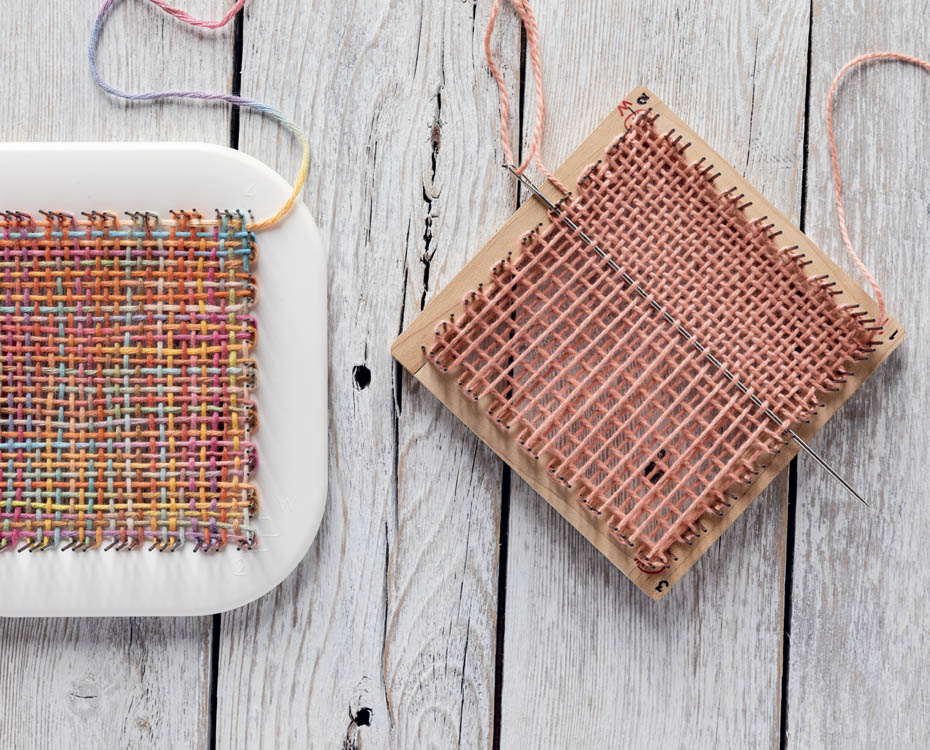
(593, 382)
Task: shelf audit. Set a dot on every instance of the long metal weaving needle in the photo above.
(822, 461)
(685, 333)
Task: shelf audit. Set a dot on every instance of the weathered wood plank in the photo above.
(385, 634)
(588, 660)
(111, 683)
(859, 622)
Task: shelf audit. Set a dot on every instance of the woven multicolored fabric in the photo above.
(125, 417)
(590, 379)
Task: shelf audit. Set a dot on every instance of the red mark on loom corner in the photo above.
(651, 571)
(626, 107)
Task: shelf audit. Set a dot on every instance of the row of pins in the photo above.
(146, 225)
(168, 542)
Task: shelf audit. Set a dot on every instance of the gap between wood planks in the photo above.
(506, 472)
(791, 523)
(234, 120)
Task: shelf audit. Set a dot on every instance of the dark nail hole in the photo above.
(362, 377)
(363, 717)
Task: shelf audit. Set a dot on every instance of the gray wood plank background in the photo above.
(859, 625)
(444, 604)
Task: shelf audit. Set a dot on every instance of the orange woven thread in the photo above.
(583, 372)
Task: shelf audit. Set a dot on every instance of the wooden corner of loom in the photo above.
(408, 348)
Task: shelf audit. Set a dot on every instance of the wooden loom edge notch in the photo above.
(407, 350)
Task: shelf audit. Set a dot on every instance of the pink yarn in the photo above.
(523, 9)
(532, 42)
(580, 369)
(188, 18)
(837, 181)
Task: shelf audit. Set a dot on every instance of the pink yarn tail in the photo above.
(188, 18)
(837, 181)
(532, 42)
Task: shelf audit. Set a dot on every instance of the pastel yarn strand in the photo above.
(837, 180)
(285, 121)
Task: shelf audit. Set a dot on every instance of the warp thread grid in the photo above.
(592, 381)
(125, 417)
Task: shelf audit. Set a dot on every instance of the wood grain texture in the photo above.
(859, 626)
(588, 661)
(111, 683)
(385, 635)
(394, 609)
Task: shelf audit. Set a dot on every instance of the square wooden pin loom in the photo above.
(626, 353)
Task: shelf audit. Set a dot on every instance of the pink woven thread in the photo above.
(837, 181)
(588, 377)
(591, 381)
(525, 12)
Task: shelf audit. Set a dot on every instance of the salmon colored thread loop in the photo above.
(837, 180)
(189, 19)
(532, 42)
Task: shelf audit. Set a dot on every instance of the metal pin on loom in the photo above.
(685, 333)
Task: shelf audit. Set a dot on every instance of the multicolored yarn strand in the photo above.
(835, 161)
(240, 101)
(125, 418)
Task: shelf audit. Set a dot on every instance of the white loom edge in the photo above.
(291, 391)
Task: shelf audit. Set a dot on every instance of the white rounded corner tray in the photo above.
(291, 391)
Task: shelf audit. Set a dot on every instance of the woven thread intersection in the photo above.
(125, 417)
